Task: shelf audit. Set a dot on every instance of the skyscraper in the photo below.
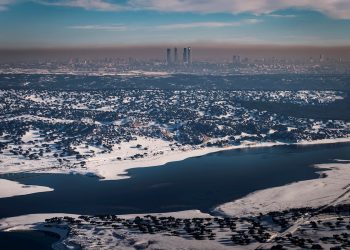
(168, 56)
(321, 58)
(176, 59)
(184, 57)
(236, 60)
(189, 56)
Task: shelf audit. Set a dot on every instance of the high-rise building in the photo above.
(184, 57)
(168, 56)
(321, 58)
(176, 58)
(189, 56)
(236, 60)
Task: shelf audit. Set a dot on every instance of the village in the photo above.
(303, 228)
(69, 129)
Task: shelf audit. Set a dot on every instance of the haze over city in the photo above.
(141, 29)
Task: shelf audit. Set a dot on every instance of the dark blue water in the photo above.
(195, 183)
(21, 240)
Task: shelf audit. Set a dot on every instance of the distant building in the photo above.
(168, 56)
(184, 56)
(321, 58)
(236, 60)
(189, 56)
(176, 58)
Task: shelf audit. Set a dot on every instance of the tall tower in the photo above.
(168, 56)
(236, 60)
(321, 58)
(176, 58)
(189, 56)
(184, 57)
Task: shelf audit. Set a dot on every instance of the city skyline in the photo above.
(28, 24)
(203, 52)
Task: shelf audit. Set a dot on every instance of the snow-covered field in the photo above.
(110, 168)
(158, 153)
(297, 97)
(106, 134)
(12, 188)
(131, 138)
(333, 188)
(103, 237)
(114, 165)
(110, 72)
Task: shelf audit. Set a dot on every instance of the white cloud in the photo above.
(339, 9)
(334, 8)
(113, 27)
(207, 24)
(281, 16)
(5, 3)
(85, 4)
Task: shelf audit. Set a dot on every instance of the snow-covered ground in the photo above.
(108, 72)
(110, 168)
(13, 188)
(106, 237)
(114, 165)
(334, 188)
(28, 221)
(105, 134)
(301, 97)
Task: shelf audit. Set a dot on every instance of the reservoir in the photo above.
(19, 240)
(195, 183)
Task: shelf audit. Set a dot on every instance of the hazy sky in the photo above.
(98, 23)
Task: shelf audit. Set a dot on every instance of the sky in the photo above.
(103, 23)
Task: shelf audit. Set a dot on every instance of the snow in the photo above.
(122, 239)
(302, 97)
(114, 165)
(144, 73)
(109, 168)
(29, 220)
(112, 72)
(33, 222)
(332, 189)
(31, 135)
(37, 118)
(159, 152)
(12, 188)
(101, 237)
(186, 214)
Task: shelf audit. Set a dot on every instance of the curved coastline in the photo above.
(310, 187)
(109, 168)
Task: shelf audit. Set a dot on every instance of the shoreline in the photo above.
(36, 222)
(13, 188)
(332, 187)
(108, 167)
(118, 170)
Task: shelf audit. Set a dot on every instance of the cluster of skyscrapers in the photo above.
(236, 60)
(173, 58)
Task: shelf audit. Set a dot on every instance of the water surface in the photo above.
(20, 240)
(195, 183)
